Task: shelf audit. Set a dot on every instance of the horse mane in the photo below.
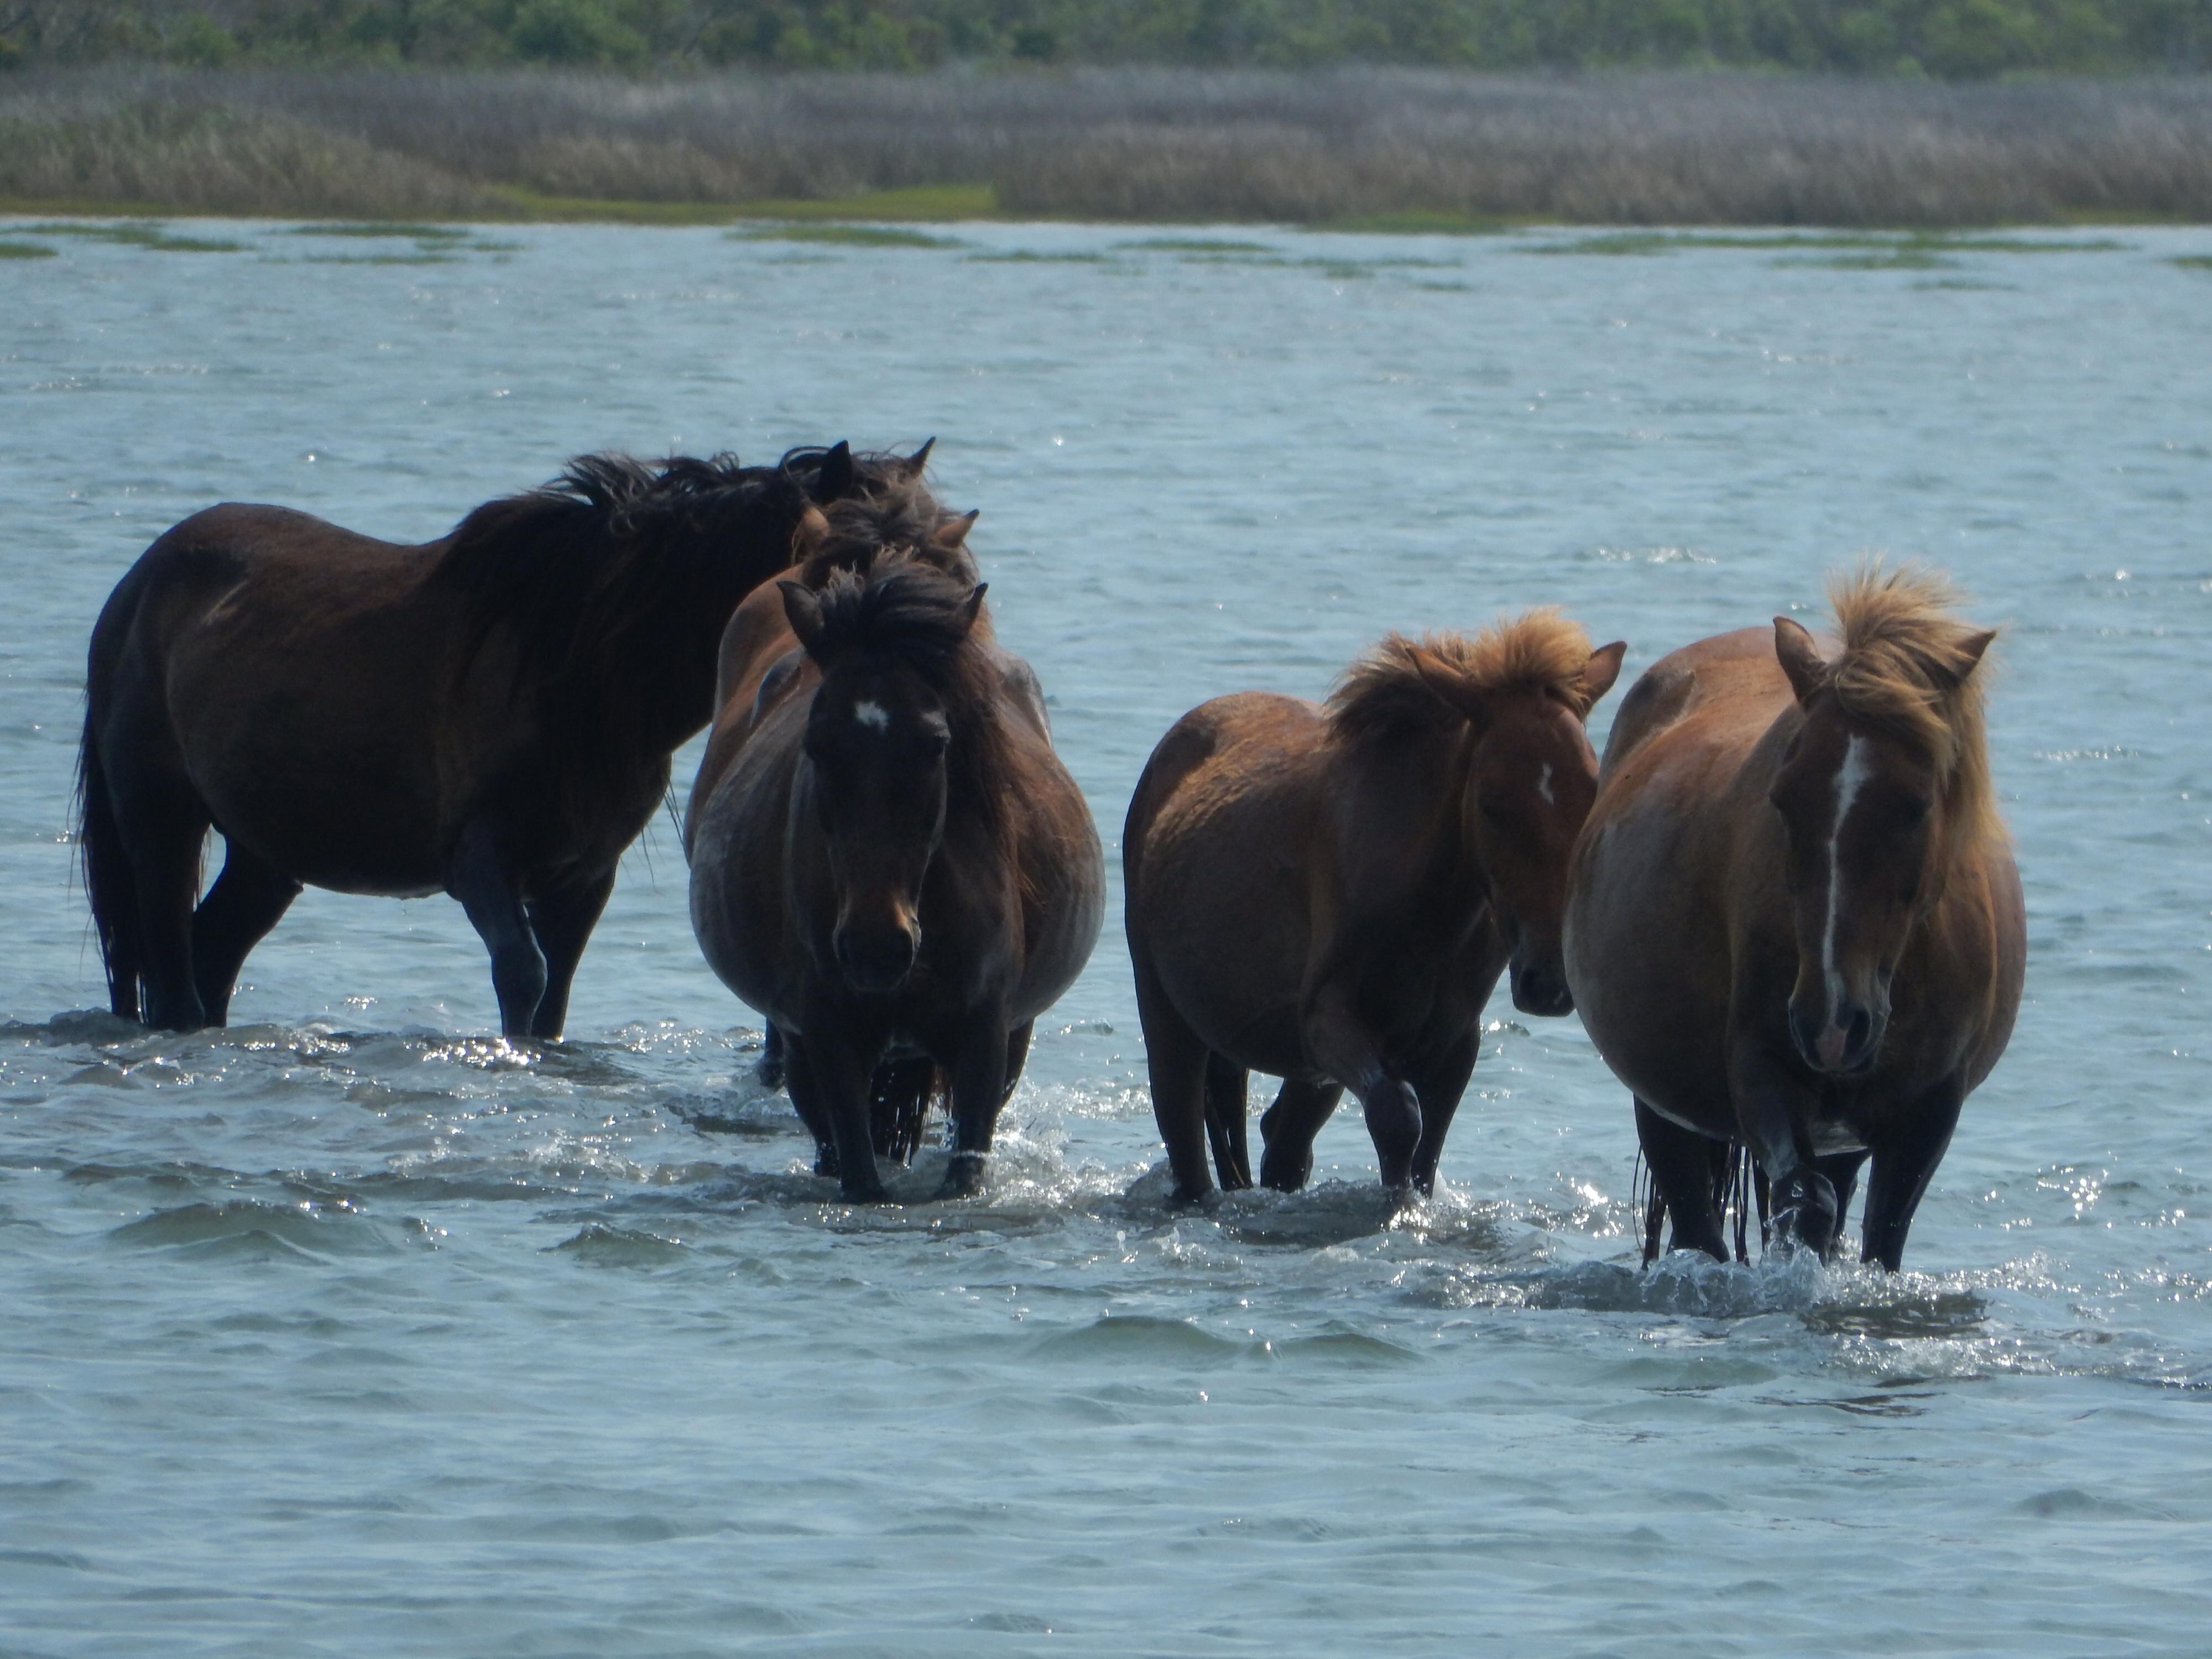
(908, 610)
(570, 568)
(1906, 666)
(892, 511)
(1411, 685)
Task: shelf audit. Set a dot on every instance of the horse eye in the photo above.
(934, 744)
(1911, 810)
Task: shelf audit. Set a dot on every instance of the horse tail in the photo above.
(1224, 1121)
(899, 1101)
(1644, 1194)
(108, 880)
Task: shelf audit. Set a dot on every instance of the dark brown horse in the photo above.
(887, 859)
(1329, 897)
(491, 715)
(1794, 925)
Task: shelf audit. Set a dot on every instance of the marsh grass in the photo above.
(24, 250)
(848, 235)
(1357, 147)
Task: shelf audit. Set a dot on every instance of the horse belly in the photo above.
(1647, 963)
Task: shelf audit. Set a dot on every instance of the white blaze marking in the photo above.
(1850, 779)
(872, 715)
(1544, 786)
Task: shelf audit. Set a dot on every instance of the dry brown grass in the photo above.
(1150, 144)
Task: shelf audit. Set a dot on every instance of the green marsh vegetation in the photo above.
(1357, 146)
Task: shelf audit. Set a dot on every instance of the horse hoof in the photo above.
(1805, 1214)
(964, 1176)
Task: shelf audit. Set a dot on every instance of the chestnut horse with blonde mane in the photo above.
(1328, 895)
(1794, 925)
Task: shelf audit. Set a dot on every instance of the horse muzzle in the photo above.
(1847, 1040)
(1542, 991)
(877, 960)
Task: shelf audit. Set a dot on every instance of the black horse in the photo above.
(491, 714)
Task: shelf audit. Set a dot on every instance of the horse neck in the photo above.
(654, 689)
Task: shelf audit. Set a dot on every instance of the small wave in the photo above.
(621, 1247)
(1141, 1336)
(251, 1226)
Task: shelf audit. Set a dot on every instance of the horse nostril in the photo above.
(1854, 1034)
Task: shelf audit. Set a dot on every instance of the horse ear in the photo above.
(974, 607)
(949, 535)
(1955, 674)
(813, 530)
(1800, 658)
(911, 467)
(1599, 674)
(802, 609)
(834, 478)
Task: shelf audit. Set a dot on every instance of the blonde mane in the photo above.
(1404, 685)
(1909, 664)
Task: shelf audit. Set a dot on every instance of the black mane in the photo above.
(902, 610)
(604, 576)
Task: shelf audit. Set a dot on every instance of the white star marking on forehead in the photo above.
(872, 715)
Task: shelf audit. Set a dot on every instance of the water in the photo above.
(351, 1331)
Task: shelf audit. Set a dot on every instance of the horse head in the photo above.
(1876, 790)
(1531, 778)
(879, 735)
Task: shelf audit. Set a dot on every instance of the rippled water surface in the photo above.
(350, 1331)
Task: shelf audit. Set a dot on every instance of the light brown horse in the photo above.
(1794, 925)
(887, 860)
(491, 714)
(1328, 895)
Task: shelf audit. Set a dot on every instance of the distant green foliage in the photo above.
(1952, 39)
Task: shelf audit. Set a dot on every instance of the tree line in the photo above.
(1960, 40)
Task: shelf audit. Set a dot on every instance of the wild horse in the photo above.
(491, 715)
(887, 858)
(1329, 896)
(1794, 925)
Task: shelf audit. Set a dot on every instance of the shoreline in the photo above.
(1353, 149)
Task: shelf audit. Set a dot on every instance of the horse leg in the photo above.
(480, 879)
(770, 1069)
(1903, 1160)
(1775, 1117)
(979, 1090)
(1841, 1171)
(1287, 1129)
(791, 1068)
(1344, 1047)
(1682, 1166)
(1440, 1088)
(1175, 1058)
(1018, 1055)
(829, 1081)
(1224, 1121)
(562, 921)
(248, 898)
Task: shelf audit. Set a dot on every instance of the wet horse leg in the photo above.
(1841, 1171)
(562, 921)
(1775, 1117)
(979, 1090)
(1341, 1045)
(248, 898)
(1175, 1057)
(480, 879)
(791, 1067)
(1018, 1055)
(1682, 1167)
(1224, 1121)
(1441, 1087)
(1903, 1160)
(1287, 1129)
(829, 1078)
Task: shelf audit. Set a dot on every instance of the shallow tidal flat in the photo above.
(1351, 146)
(352, 1330)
